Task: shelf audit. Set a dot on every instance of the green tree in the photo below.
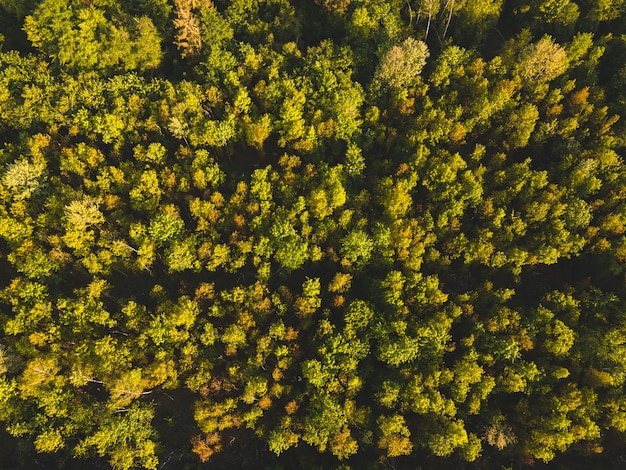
(325, 418)
(357, 247)
(81, 37)
(394, 436)
(126, 437)
(291, 250)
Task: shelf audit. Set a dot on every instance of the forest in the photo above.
(312, 234)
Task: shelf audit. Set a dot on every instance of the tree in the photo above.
(394, 436)
(165, 228)
(356, 247)
(182, 255)
(342, 444)
(542, 61)
(401, 65)
(146, 194)
(127, 437)
(324, 419)
(558, 12)
(310, 300)
(291, 250)
(189, 35)
(25, 179)
(282, 438)
(80, 217)
(80, 37)
(520, 126)
(476, 18)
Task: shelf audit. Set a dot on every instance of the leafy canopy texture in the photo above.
(313, 234)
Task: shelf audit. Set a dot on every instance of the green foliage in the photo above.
(394, 436)
(80, 37)
(357, 247)
(317, 234)
(165, 227)
(291, 249)
(126, 438)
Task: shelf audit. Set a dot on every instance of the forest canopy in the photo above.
(312, 234)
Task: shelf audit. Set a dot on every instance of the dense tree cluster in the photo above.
(312, 234)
